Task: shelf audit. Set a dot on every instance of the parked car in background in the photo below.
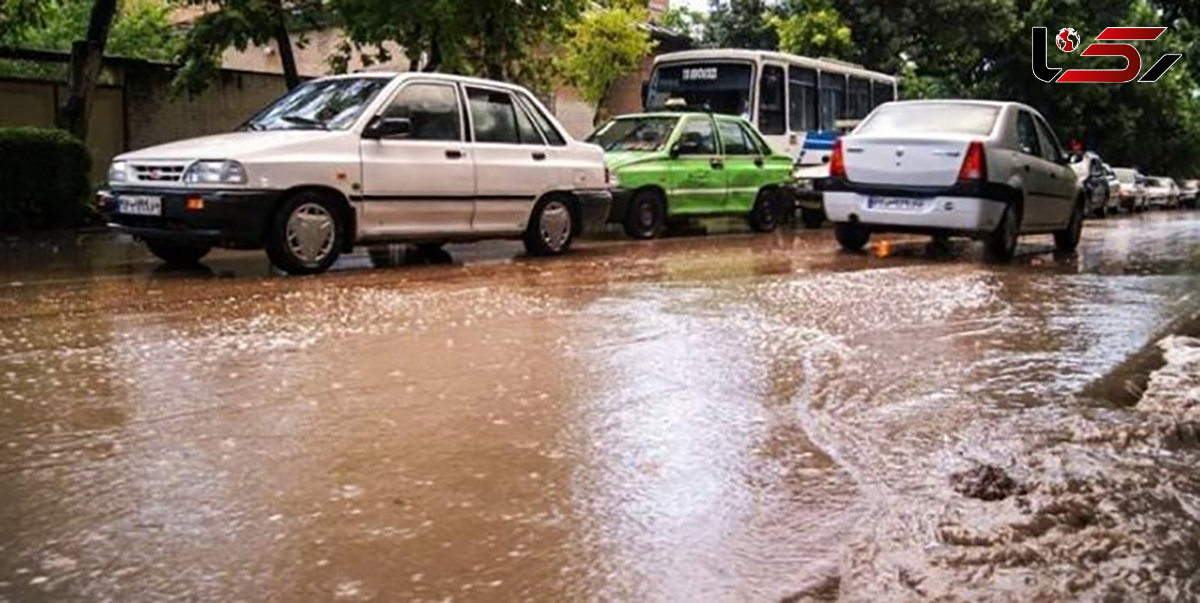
(1161, 192)
(1114, 189)
(1188, 192)
(669, 165)
(365, 159)
(1092, 175)
(1132, 192)
(981, 169)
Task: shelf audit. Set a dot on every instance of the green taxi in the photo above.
(674, 165)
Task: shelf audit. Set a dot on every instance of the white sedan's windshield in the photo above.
(930, 118)
(331, 104)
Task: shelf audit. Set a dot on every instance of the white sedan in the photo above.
(980, 169)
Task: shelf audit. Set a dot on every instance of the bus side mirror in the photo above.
(645, 91)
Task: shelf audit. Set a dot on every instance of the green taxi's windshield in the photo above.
(634, 134)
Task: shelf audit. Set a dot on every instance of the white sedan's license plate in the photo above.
(140, 205)
(896, 203)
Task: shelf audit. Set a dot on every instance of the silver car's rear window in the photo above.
(923, 118)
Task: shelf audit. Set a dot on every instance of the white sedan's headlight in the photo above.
(118, 171)
(216, 172)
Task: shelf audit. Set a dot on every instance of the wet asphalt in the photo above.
(731, 417)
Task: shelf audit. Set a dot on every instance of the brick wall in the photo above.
(156, 115)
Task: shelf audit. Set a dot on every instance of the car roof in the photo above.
(958, 101)
(680, 114)
(424, 75)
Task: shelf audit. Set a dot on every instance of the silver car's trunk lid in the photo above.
(903, 161)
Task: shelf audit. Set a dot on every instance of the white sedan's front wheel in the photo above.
(305, 235)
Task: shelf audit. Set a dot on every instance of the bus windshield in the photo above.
(724, 87)
(634, 134)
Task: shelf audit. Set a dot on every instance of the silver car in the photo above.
(981, 169)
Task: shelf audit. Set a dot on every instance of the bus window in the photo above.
(833, 99)
(802, 98)
(860, 98)
(771, 110)
(882, 92)
(723, 86)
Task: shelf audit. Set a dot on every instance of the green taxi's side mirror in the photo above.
(674, 151)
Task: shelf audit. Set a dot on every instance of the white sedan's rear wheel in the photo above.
(551, 227)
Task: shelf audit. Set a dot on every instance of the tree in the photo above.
(86, 58)
(499, 39)
(605, 44)
(816, 30)
(141, 29)
(683, 21)
(238, 24)
(739, 24)
(16, 15)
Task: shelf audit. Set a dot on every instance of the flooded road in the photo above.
(733, 417)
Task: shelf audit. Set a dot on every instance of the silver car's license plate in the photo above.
(896, 203)
(140, 205)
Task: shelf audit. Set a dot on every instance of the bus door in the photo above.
(772, 107)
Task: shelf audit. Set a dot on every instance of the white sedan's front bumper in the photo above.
(964, 215)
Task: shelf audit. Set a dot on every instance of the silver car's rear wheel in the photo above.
(1001, 245)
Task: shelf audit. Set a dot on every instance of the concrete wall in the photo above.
(142, 110)
(156, 115)
(32, 103)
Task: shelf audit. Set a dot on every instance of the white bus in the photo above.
(799, 104)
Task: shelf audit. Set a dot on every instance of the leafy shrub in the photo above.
(45, 179)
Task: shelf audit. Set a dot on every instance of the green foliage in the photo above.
(142, 28)
(238, 24)
(815, 30)
(683, 21)
(740, 24)
(45, 176)
(17, 15)
(501, 39)
(605, 44)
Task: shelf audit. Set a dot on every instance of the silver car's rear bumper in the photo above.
(941, 213)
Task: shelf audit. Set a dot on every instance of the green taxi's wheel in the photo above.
(646, 216)
(177, 254)
(764, 216)
(851, 236)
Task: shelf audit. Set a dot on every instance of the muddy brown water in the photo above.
(733, 417)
